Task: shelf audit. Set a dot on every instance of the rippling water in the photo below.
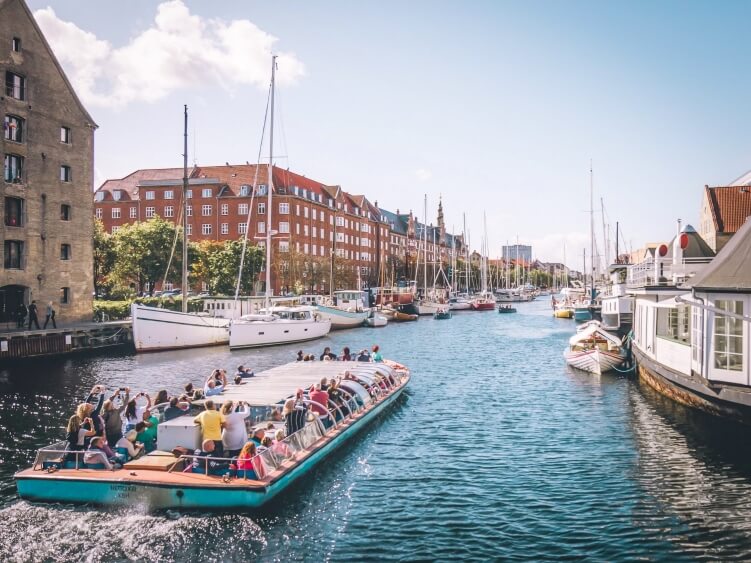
(497, 451)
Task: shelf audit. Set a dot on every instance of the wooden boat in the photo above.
(157, 481)
(594, 350)
(506, 309)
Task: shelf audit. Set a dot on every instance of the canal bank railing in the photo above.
(23, 344)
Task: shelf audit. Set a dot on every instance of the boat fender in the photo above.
(226, 478)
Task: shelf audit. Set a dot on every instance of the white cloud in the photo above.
(423, 175)
(180, 50)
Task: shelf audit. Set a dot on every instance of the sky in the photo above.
(495, 107)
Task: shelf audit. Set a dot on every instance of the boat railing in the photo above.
(57, 453)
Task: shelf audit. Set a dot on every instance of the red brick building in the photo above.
(311, 219)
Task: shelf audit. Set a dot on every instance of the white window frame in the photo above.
(284, 227)
(150, 195)
(169, 211)
(150, 212)
(224, 229)
(206, 210)
(133, 212)
(283, 208)
(115, 212)
(169, 194)
(225, 209)
(206, 228)
(242, 208)
(206, 192)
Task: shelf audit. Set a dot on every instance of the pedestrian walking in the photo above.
(50, 316)
(20, 315)
(33, 315)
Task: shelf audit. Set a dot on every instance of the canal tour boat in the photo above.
(166, 480)
(595, 350)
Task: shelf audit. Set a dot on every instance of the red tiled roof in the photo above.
(730, 205)
(130, 182)
(236, 175)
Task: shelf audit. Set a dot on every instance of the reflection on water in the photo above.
(497, 451)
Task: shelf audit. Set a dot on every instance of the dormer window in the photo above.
(117, 195)
(99, 196)
(261, 190)
(244, 190)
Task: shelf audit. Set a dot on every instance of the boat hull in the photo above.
(460, 306)
(341, 319)
(37, 486)
(563, 313)
(376, 321)
(160, 329)
(255, 334)
(483, 306)
(695, 392)
(593, 361)
(429, 307)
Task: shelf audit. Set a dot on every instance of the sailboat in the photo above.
(485, 300)
(161, 329)
(275, 325)
(430, 304)
(587, 308)
(459, 302)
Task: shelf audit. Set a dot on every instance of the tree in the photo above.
(217, 264)
(143, 252)
(104, 258)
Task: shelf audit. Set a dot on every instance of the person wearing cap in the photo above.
(126, 446)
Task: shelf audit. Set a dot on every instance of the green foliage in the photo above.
(217, 263)
(104, 258)
(143, 251)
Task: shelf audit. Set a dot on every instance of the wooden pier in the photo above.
(23, 344)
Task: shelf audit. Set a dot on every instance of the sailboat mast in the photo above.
(185, 213)
(592, 225)
(270, 187)
(425, 247)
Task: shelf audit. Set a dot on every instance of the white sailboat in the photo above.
(485, 300)
(161, 329)
(275, 325)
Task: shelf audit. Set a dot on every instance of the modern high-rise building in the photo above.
(522, 252)
(48, 164)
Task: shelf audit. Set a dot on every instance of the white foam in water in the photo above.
(63, 533)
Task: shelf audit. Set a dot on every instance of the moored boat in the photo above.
(506, 309)
(161, 329)
(278, 325)
(442, 314)
(594, 350)
(161, 480)
(376, 319)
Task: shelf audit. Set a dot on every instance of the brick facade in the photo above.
(48, 150)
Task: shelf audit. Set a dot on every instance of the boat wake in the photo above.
(90, 534)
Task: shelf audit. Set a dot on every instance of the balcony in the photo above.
(664, 273)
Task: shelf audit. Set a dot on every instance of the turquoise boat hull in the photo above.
(66, 488)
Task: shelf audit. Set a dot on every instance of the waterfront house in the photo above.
(723, 211)
(691, 329)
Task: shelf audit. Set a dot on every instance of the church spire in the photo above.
(441, 224)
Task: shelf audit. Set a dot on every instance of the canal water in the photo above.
(496, 451)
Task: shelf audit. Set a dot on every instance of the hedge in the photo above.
(117, 310)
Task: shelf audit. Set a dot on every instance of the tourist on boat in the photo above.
(259, 433)
(295, 414)
(235, 433)
(346, 356)
(89, 410)
(202, 462)
(327, 354)
(248, 465)
(96, 455)
(335, 396)
(76, 435)
(147, 436)
(211, 422)
(127, 448)
(211, 388)
(113, 422)
(280, 447)
(266, 443)
(134, 413)
(377, 354)
(177, 407)
(319, 405)
(244, 372)
(194, 394)
(363, 356)
(300, 356)
(160, 398)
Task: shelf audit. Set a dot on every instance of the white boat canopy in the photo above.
(273, 385)
(587, 333)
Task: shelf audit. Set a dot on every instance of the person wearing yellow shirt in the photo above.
(212, 422)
